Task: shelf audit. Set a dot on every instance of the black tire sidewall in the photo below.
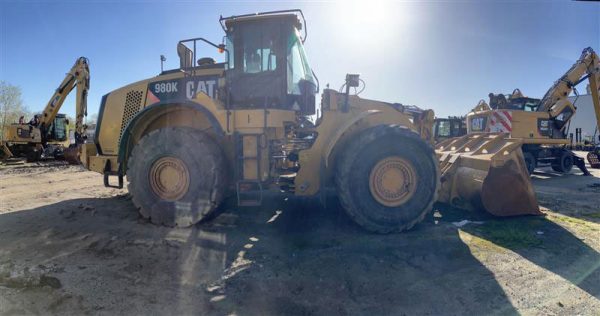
(179, 143)
(360, 203)
(564, 162)
(567, 162)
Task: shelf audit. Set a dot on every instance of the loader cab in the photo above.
(267, 66)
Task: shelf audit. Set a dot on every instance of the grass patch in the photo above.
(510, 233)
(573, 221)
(593, 215)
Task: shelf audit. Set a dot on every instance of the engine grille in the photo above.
(133, 102)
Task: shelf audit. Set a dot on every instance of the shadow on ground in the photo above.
(288, 257)
(307, 260)
(542, 242)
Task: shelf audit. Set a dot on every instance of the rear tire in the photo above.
(33, 155)
(387, 179)
(177, 176)
(564, 162)
(530, 162)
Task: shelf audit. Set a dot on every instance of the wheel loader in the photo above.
(192, 136)
(542, 124)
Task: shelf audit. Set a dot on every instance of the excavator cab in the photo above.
(57, 131)
(267, 66)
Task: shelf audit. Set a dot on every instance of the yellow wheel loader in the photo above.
(191, 136)
(49, 134)
(542, 124)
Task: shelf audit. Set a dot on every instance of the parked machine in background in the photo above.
(24, 140)
(49, 135)
(450, 127)
(191, 136)
(542, 124)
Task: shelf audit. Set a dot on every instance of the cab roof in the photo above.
(292, 15)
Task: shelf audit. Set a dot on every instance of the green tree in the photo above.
(11, 106)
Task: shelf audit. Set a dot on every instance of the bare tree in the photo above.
(11, 105)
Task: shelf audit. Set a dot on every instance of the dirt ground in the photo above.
(68, 245)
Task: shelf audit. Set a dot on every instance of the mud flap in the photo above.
(486, 171)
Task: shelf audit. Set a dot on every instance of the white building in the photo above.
(585, 117)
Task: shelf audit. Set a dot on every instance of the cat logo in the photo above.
(194, 87)
(181, 88)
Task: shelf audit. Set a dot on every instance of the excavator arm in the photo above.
(78, 77)
(586, 67)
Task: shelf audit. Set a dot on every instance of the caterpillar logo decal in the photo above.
(478, 123)
(181, 88)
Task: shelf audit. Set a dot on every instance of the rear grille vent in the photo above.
(133, 102)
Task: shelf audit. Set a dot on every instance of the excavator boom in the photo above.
(78, 77)
(586, 67)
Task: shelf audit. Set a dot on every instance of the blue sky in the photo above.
(442, 55)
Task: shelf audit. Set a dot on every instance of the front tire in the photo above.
(564, 162)
(177, 176)
(387, 179)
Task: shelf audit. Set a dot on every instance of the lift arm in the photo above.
(78, 76)
(586, 67)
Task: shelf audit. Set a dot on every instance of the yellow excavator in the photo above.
(542, 125)
(47, 134)
(191, 136)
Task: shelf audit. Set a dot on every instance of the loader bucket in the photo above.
(486, 171)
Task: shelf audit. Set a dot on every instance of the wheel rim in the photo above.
(393, 181)
(169, 178)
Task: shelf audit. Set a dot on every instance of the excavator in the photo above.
(191, 136)
(47, 135)
(542, 124)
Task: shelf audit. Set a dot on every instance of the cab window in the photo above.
(443, 129)
(259, 50)
(297, 65)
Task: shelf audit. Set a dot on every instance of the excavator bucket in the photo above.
(72, 154)
(486, 171)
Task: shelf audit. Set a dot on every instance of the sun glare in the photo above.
(372, 22)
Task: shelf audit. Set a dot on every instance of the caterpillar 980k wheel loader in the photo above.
(191, 136)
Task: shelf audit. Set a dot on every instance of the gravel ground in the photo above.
(70, 246)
